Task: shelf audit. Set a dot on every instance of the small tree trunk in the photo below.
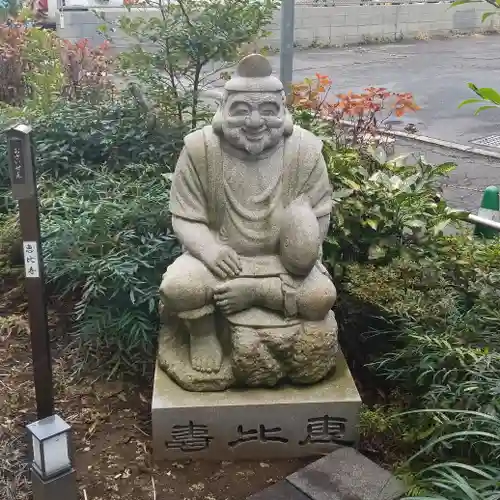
(194, 106)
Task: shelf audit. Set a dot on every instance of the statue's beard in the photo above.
(237, 137)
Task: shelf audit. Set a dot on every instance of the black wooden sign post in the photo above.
(23, 179)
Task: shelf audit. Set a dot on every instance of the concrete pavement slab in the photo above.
(346, 474)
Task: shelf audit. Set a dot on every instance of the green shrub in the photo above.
(375, 304)
(442, 336)
(449, 479)
(437, 343)
(107, 242)
(388, 434)
(86, 71)
(10, 247)
(400, 291)
(112, 133)
(38, 68)
(383, 210)
(43, 71)
(12, 85)
(10, 234)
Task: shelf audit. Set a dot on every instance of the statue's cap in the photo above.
(254, 74)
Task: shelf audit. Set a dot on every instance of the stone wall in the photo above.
(323, 26)
(75, 24)
(353, 24)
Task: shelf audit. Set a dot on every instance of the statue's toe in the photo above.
(206, 354)
(205, 365)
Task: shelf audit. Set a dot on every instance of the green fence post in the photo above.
(490, 209)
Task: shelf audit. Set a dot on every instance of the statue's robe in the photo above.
(242, 202)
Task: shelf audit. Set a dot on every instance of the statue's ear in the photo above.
(217, 120)
(288, 123)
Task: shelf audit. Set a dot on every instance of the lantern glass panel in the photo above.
(37, 454)
(56, 454)
(51, 446)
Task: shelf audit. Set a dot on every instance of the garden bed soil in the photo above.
(112, 428)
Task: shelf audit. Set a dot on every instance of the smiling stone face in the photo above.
(253, 121)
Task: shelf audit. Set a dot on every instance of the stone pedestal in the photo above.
(255, 424)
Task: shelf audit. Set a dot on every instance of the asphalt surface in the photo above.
(464, 187)
(437, 73)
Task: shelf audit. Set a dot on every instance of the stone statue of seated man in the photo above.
(249, 301)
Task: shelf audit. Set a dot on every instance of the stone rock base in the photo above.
(302, 352)
(255, 424)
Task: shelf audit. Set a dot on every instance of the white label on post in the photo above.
(31, 263)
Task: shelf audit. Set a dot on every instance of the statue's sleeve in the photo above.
(187, 195)
(317, 188)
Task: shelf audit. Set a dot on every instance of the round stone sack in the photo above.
(299, 239)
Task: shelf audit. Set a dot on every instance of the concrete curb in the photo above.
(441, 143)
(431, 140)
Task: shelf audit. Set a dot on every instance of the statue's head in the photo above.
(253, 116)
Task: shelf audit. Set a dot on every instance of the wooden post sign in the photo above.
(23, 180)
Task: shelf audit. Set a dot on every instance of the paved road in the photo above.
(464, 187)
(437, 73)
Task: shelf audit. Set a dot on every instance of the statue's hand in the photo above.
(223, 261)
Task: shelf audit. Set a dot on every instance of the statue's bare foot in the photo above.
(236, 295)
(206, 353)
